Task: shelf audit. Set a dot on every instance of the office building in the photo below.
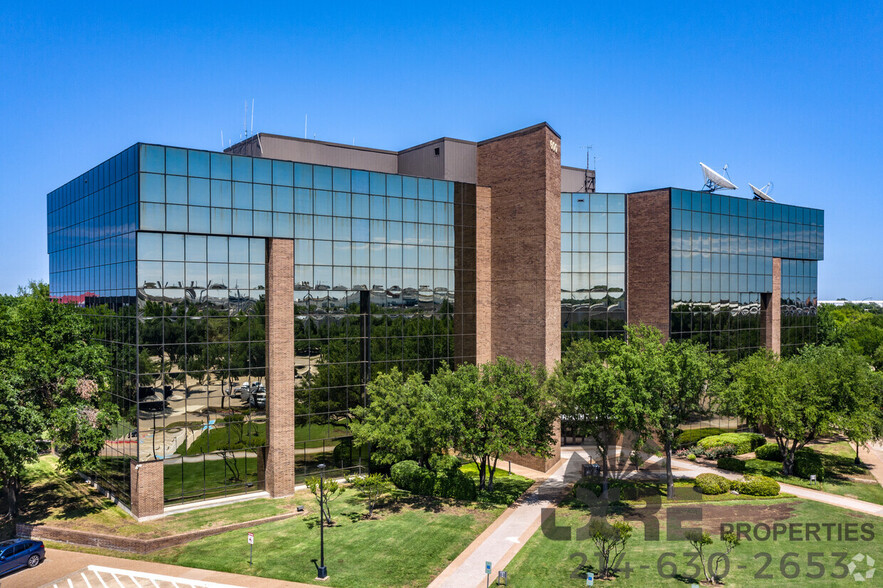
(248, 296)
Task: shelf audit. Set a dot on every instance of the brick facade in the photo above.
(483, 272)
(147, 488)
(771, 312)
(648, 259)
(523, 171)
(279, 466)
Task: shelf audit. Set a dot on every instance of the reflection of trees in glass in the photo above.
(415, 339)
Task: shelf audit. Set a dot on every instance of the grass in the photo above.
(545, 562)
(59, 499)
(624, 494)
(837, 459)
(507, 487)
(406, 545)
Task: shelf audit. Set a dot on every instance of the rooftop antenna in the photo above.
(245, 118)
(589, 182)
(252, 116)
(762, 194)
(715, 181)
(305, 126)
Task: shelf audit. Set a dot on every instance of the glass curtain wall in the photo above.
(722, 251)
(91, 240)
(374, 288)
(592, 266)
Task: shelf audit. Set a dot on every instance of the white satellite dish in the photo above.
(760, 194)
(714, 180)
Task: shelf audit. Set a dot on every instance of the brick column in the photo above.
(771, 312)
(279, 466)
(648, 268)
(146, 488)
(483, 272)
(523, 171)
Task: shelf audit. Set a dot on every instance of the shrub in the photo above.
(807, 462)
(731, 464)
(768, 452)
(712, 484)
(756, 485)
(404, 473)
(692, 436)
(743, 442)
(444, 463)
(453, 483)
(718, 452)
(691, 457)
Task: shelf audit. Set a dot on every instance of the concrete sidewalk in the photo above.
(807, 493)
(500, 542)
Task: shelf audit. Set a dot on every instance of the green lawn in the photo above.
(837, 458)
(507, 487)
(61, 499)
(407, 544)
(545, 562)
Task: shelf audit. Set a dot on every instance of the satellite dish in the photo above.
(762, 193)
(714, 180)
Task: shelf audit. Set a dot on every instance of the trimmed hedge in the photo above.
(449, 483)
(756, 485)
(731, 464)
(743, 442)
(712, 484)
(808, 462)
(768, 452)
(692, 436)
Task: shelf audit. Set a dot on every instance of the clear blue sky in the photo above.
(789, 93)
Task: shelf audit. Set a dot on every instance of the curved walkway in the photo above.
(500, 542)
(799, 491)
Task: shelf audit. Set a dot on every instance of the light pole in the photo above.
(323, 571)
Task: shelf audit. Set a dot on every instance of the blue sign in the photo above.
(590, 579)
(487, 568)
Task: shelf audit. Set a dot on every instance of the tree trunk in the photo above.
(788, 463)
(482, 472)
(605, 471)
(12, 497)
(669, 477)
(493, 470)
(857, 460)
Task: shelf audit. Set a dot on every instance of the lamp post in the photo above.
(323, 571)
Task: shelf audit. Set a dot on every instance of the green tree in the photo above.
(690, 375)
(494, 409)
(326, 490)
(54, 382)
(715, 560)
(594, 397)
(404, 419)
(699, 540)
(372, 488)
(610, 541)
(801, 398)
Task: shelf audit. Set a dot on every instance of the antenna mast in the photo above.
(589, 181)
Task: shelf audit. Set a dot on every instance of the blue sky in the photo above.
(780, 92)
